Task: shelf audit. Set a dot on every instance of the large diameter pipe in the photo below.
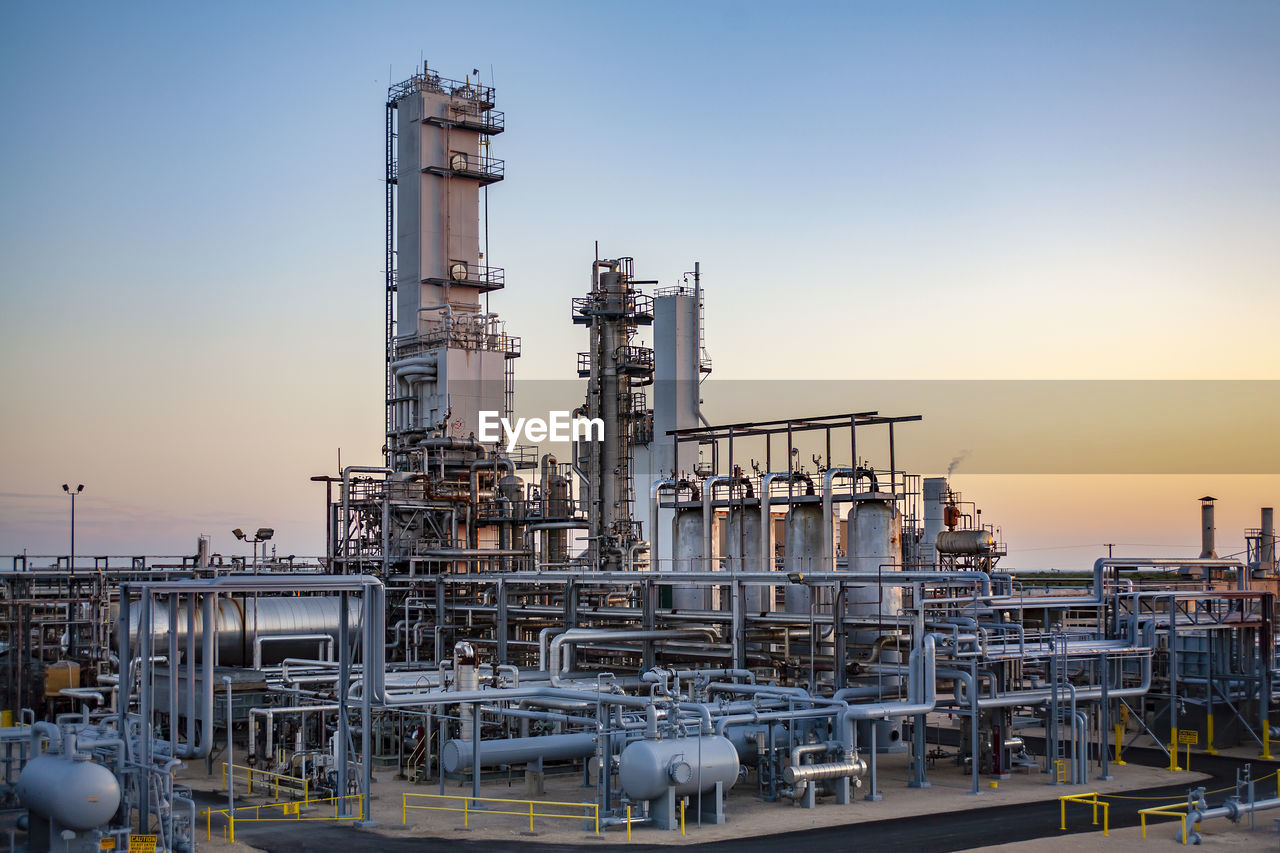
(655, 536)
(828, 513)
(457, 754)
(708, 517)
(1232, 810)
(922, 688)
(584, 635)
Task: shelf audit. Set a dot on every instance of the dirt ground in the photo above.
(750, 817)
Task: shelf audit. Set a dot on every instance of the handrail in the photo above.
(290, 811)
(1087, 799)
(291, 782)
(467, 811)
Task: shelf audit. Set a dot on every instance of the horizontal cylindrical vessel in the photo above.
(77, 794)
(694, 764)
(829, 770)
(457, 754)
(237, 621)
(965, 542)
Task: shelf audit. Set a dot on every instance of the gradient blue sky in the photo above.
(191, 226)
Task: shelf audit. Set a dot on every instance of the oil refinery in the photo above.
(681, 631)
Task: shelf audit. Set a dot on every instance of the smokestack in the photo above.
(1207, 551)
(1267, 557)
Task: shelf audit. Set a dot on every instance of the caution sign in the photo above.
(142, 843)
(108, 843)
(1190, 738)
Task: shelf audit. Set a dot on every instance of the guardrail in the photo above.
(1178, 810)
(289, 811)
(291, 784)
(591, 810)
(1088, 799)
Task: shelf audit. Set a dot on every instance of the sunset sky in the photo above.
(191, 235)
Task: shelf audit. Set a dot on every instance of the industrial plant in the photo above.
(675, 630)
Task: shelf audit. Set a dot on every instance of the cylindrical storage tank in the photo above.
(686, 549)
(78, 795)
(965, 542)
(877, 548)
(935, 490)
(238, 620)
(877, 544)
(742, 548)
(803, 551)
(457, 754)
(649, 767)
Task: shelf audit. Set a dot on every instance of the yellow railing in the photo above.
(275, 781)
(1178, 810)
(289, 811)
(591, 810)
(1088, 800)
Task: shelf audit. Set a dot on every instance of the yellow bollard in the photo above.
(1106, 819)
(531, 815)
(1063, 804)
(1119, 743)
(466, 814)
(1173, 750)
(404, 810)
(628, 823)
(682, 817)
(1266, 740)
(1209, 748)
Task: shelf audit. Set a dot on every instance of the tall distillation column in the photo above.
(679, 364)
(615, 369)
(447, 356)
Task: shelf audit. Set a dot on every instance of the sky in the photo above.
(191, 229)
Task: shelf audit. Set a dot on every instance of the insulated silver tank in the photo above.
(877, 548)
(649, 767)
(78, 795)
(686, 548)
(238, 620)
(803, 551)
(742, 548)
(965, 542)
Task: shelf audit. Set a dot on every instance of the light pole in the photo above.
(262, 535)
(73, 492)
